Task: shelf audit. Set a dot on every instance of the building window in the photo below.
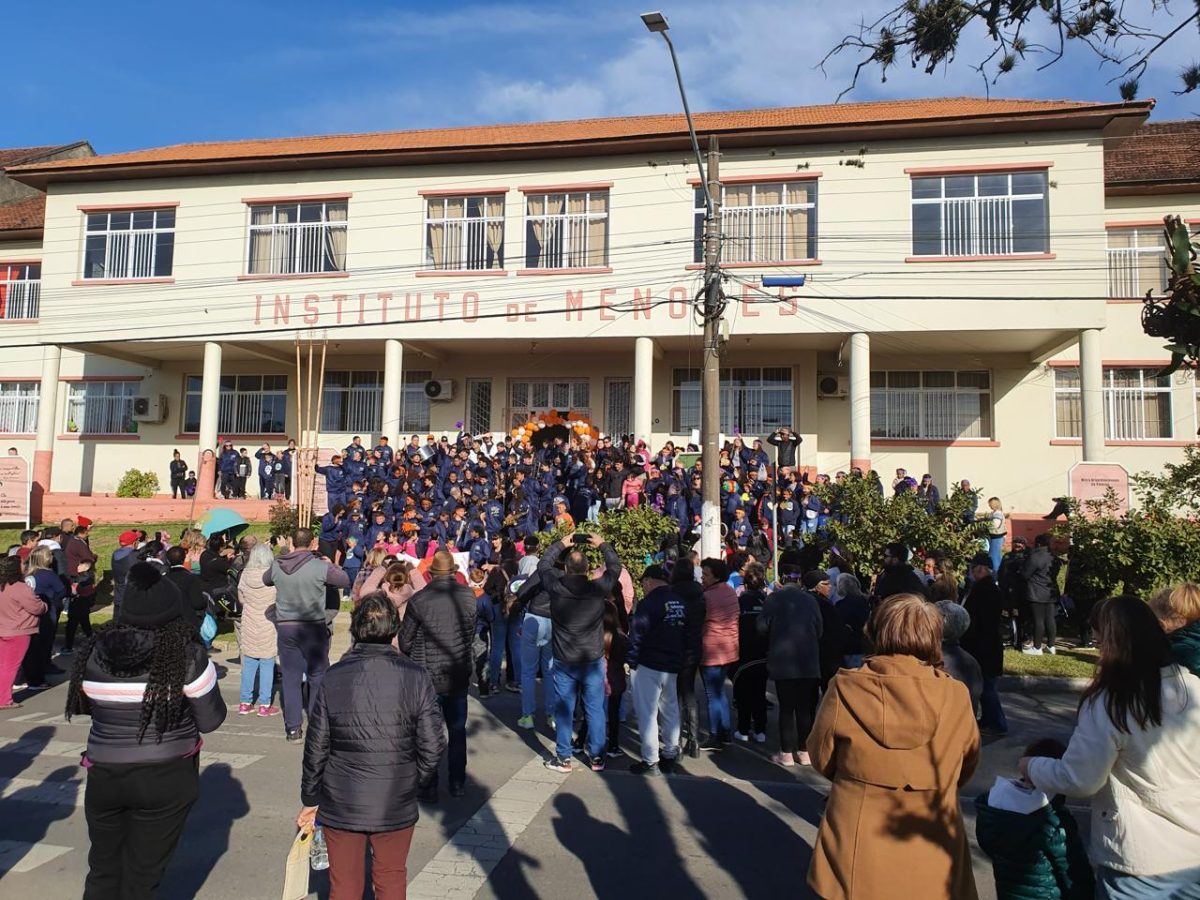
(1137, 404)
(249, 404)
(20, 290)
(753, 400)
(353, 402)
(768, 222)
(19, 406)
(131, 243)
(479, 405)
(529, 397)
(931, 406)
(464, 233)
(619, 413)
(298, 238)
(414, 413)
(980, 215)
(566, 231)
(101, 407)
(1137, 262)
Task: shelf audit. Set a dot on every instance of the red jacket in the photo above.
(720, 640)
(19, 610)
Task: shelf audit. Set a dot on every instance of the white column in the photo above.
(210, 413)
(1091, 390)
(393, 392)
(47, 424)
(860, 401)
(643, 388)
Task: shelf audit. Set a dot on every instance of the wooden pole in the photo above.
(299, 420)
(317, 421)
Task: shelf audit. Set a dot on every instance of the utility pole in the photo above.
(710, 375)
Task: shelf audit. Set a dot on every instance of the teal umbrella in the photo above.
(222, 521)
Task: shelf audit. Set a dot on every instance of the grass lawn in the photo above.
(1069, 663)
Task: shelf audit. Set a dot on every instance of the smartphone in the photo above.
(582, 538)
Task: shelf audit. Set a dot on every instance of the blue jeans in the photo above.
(995, 545)
(265, 670)
(569, 679)
(713, 678)
(991, 713)
(535, 648)
(1113, 885)
(454, 711)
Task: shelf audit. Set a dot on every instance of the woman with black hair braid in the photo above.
(151, 691)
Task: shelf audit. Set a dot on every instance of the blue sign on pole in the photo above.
(783, 281)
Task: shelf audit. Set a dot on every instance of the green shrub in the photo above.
(137, 484)
(636, 534)
(282, 518)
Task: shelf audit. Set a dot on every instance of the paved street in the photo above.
(734, 825)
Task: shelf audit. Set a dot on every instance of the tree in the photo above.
(1177, 489)
(1176, 315)
(1124, 36)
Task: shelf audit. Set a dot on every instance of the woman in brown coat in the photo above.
(897, 738)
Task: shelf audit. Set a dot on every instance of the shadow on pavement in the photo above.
(206, 838)
(28, 816)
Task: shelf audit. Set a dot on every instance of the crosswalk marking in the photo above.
(23, 856)
(44, 718)
(74, 749)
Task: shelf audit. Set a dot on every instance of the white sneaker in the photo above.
(1051, 650)
(1031, 651)
(741, 738)
(760, 737)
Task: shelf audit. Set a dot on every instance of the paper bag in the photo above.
(295, 875)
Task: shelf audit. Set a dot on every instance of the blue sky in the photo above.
(132, 74)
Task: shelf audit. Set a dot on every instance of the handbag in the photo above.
(295, 872)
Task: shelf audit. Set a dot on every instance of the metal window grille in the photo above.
(566, 231)
(1137, 404)
(529, 397)
(20, 290)
(297, 238)
(937, 406)
(753, 400)
(353, 402)
(19, 406)
(619, 413)
(248, 404)
(101, 407)
(763, 222)
(985, 215)
(414, 413)
(134, 243)
(464, 233)
(1136, 262)
(479, 405)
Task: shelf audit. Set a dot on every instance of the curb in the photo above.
(1041, 684)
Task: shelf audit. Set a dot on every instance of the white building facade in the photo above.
(966, 312)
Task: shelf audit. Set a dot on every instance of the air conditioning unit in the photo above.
(832, 386)
(150, 409)
(439, 390)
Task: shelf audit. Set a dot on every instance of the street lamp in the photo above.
(656, 23)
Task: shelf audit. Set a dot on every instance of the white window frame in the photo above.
(976, 212)
(742, 249)
(101, 407)
(309, 241)
(1122, 259)
(1118, 400)
(929, 402)
(19, 406)
(473, 250)
(20, 289)
(563, 394)
(737, 402)
(130, 254)
(415, 408)
(238, 401)
(572, 230)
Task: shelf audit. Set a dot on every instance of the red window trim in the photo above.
(122, 207)
(464, 192)
(86, 379)
(83, 282)
(299, 198)
(806, 175)
(565, 188)
(983, 169)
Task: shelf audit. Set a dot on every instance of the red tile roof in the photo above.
(23, 215)
(534, 134)
(11, 155)
(1159, 153)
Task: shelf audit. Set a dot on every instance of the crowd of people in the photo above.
(884, 673)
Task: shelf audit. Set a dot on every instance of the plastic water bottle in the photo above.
(318, 854)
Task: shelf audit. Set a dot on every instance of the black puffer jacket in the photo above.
(437, 631)
(375, 736)
(114, 681)
(695, 610)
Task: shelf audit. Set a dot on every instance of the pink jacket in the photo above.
(19, 610)
(720, 640)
